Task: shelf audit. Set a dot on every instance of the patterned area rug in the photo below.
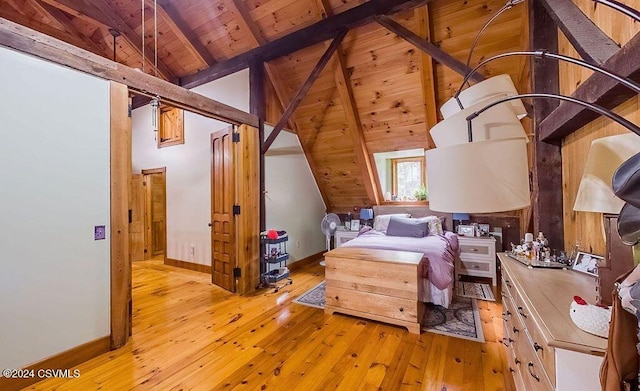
(314, 297)
(475, 289)
(460, 320)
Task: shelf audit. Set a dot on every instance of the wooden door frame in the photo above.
(163, 171)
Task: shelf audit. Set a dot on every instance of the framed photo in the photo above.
(355, 225)
(484, 229)
(466, 230)
(587, 263)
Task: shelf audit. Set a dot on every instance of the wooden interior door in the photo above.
(136, 219)
(222, 201)
(155, 212)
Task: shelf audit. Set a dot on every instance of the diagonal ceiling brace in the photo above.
(304, 89)
(590, 42)
(435, 52)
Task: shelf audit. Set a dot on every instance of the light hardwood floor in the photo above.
(190, 335)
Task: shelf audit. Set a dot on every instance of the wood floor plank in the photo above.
(190, 335)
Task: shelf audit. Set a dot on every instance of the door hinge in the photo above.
(130, 216)
(235, 137)
(237, 272)
(145, 251)
(129, 108)
(236, 209)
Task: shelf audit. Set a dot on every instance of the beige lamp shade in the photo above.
(497, 122)
(486, 91)
(479, 177)
(605, 156)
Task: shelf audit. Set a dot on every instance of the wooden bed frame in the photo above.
(415, 211)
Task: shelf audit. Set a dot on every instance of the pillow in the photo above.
(411, 228)
(381, 222)
(435, 224)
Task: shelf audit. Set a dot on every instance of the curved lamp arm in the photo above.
(545, 54)
(598, 109)
(507, 6)
(625, 9)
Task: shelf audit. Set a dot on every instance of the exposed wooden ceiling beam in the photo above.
(302, 92)
(345, 90)
(599, 89)
(29, 41)
(185, 34)
(427, 75)
(10, 14)
(427, 47)
(102, 12)
(590, 42)
(245, 23)
(311, 35)
(62, 18)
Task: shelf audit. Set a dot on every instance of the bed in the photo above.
(440, 251)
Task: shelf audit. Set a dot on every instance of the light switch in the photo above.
(99, 232)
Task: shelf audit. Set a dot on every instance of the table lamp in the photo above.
(366, 214)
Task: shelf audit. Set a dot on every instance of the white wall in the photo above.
(54, 188)
(188, 168)
(293, 201)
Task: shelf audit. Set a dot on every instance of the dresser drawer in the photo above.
(476, 249)
(478, 266)
(545, 353)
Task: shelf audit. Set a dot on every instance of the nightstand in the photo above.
(477, 257)
(341, 237)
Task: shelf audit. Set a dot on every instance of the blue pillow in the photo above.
(410, 228)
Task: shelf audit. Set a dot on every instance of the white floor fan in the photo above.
(329, 226)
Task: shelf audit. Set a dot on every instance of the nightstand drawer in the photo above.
(476, 249)
(474, 266)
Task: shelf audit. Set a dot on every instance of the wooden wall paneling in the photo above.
(13, 15)
(29, 41)
(547, 161)
(593, 45)
(120, 161)
(427, 47)
(103, 13)
(302, 91)
(427, 74)
(343, 84)
(185, 34)
(136, 223)
(308, 36)
(248, 197)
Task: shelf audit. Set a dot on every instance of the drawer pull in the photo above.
(515, 360)
(508, 313)
(537, 347)
(475, 250)
(337, 298)
(401, 309)
(515, 330)
(508, 284)
(511, 370)
(530, 368)
(506, 341)
(475, 267)
(521, 313)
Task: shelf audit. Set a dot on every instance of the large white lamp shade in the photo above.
(479, 177)
(497, 122)
(486, 91)
(605, 156)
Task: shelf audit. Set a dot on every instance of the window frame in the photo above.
(394, 170)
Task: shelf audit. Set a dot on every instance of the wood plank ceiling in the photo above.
(379, 93)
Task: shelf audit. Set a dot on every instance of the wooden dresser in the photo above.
(545, 349)
(379, 285)
(477, 257)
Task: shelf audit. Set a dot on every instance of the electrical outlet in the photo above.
(99, 232)
(192, 250)
(298, 244)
